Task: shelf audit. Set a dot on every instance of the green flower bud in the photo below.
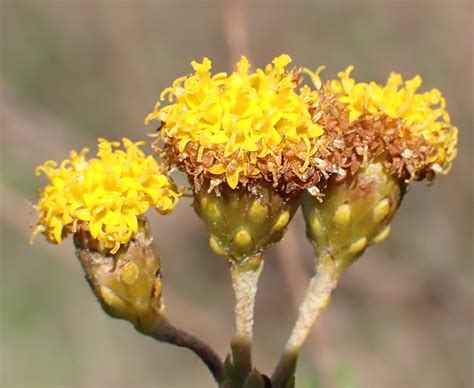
(127, 283)
(353, 214)
(243, 223)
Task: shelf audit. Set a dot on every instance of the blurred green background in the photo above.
(72, 71)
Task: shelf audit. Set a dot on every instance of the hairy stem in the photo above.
(165, 332)
(318, 295)
(244, 281)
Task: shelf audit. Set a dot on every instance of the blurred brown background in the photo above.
(72, 71)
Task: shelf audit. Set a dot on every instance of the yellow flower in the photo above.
(423, 115)
(104, 195)
(242, 127)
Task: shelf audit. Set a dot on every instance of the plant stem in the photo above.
(165, 332)
(318, 295)
(244, 281)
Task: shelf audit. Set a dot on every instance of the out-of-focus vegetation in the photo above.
(75, 70)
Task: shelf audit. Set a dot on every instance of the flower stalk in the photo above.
(244, 282)
(328, 272)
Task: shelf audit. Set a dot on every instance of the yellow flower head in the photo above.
(413, 128)
(104, 195)
(242, 127)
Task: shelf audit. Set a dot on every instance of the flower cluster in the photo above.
(241, 128)
(250, 129)
(104, 195)
(411, 132)
(255, 146)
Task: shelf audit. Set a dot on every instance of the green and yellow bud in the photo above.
(243, 223)
(353, 214)
(127, 283)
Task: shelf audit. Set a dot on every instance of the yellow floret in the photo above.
(240, 121)
(106, 193)
(423, 114)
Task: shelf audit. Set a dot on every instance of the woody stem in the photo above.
(165, 332)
